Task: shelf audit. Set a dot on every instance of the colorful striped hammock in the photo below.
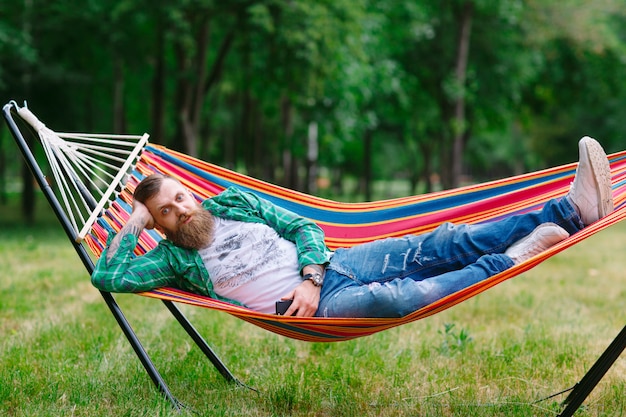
(347, 224)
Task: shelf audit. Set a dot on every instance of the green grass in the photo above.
(62, 353)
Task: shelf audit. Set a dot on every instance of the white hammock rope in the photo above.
(89, 170)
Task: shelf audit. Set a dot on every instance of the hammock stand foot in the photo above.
(583, 388)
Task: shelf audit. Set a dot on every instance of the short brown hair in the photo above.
(150, 186)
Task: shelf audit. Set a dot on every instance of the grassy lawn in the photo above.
(62, 353)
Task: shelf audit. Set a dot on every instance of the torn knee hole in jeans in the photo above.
(366, 289)
(418, 258)
(385, 263)
(405, 261)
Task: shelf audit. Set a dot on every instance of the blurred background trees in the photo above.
(327, 96)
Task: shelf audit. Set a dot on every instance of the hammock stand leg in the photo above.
(140, 351)
(583, 388)
(202, 344)
(130, 334)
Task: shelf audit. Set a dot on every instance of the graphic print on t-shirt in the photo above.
(251, 263)
(244, 254)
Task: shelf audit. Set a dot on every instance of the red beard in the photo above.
(196, 234)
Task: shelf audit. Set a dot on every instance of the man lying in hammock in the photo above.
(241, 248)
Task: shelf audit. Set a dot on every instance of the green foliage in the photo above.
(240, 82)
(453, 342)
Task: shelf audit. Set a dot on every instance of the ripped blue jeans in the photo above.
(396, 276)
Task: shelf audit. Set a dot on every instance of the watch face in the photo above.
(316, 279)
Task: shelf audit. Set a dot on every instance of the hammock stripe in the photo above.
(347, 224)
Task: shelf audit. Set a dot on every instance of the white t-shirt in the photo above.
(251, 263)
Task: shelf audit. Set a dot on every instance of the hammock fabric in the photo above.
(347, 224)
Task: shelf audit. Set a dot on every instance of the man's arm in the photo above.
(139, 219)
(118, 270)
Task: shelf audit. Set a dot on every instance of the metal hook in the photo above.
(17, 107)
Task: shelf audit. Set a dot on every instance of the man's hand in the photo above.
(139, 219)
(306, 299)
(142, 214)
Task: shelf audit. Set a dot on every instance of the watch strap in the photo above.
(316, 278)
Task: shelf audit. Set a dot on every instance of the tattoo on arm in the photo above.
(316, 268)
(134, 226)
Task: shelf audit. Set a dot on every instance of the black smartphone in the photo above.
(282, 306)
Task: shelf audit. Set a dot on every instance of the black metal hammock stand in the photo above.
(94, 177)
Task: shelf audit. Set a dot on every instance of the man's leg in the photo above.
(397, 275)
(399, 297)
(448, 248)
(393, 277)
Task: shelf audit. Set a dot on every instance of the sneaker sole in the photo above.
(601, 173)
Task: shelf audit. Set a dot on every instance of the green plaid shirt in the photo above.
(168, 265)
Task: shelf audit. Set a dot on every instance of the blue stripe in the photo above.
(376, 215)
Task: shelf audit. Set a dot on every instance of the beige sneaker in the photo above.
(591, 190)
(543, 237)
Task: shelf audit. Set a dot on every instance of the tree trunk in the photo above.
(312, 156)
(3, 173)
(458, 121)
(367, 164)
(258, 156)
(287, 155)
(28, 191)
(193, 90)
(158, 86)
(231, 147)
(119, 119)
(427, 171)
(246, 124)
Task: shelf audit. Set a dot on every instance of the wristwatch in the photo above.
(316, 278)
